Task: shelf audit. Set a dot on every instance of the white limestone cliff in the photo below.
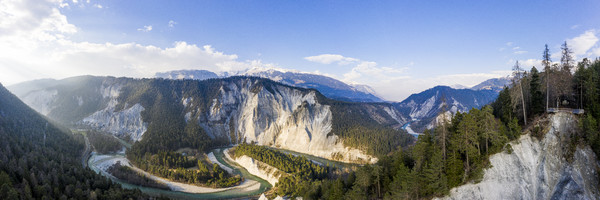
(257, 168)
(538, 169)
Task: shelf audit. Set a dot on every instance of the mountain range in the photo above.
(328, 86)
(423, 107)
(161, 113)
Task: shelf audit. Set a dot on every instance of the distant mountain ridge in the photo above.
(427, 105)
(422, 108)
(495, 84)
(187, 74)
(328, 86)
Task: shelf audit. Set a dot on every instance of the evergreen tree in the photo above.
(336, 191)
(503, 106)
(400, 186)
(546, 62)
(436, 182)
(566, 59)
(455, 169)
(356, 193)
(466, 142)
(536, 104)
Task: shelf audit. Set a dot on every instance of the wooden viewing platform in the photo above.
(569, 110)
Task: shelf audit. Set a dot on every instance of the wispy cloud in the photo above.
(394, 82)
(172, 23)
(331, 58)
(575, 26)
(520, 52)
(583, 43)
(145, 28)
(98, 6)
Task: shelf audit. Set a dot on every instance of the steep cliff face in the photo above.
(257, 168)
(273, 115)
(539, 169)
(94, 108)
(229, 111)
(124, 122)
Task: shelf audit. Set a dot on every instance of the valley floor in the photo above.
(249, 187)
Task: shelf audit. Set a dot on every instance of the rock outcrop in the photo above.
(288, 118)
(539, 169)
(257, 168)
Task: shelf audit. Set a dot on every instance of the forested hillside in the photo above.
(458, 152)
(556, 87)
(446, 157)
(39, 160)
(163, 114)
(298, 168)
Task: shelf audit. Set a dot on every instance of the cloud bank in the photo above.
(395, 83)
(36, 44)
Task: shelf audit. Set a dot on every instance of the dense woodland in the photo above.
(174, 166)
(104, 143)
(130, 176)
(457, 152)
(448, 156)
(563, 85)
(39, 160)
(353, 123)
(299, 168)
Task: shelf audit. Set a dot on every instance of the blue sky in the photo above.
(397, 47)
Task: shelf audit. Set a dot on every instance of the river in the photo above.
(409, 130)
(321, 161)
(235, 192)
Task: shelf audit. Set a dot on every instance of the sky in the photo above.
(396, 47)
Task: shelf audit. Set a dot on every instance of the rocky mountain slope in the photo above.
(423, 108)
(546, 168)
(427, 105)
(328, 86)
(179, 113)
(495, 84)
(187, 74)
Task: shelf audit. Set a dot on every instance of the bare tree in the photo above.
(517, 79)
(566, 60)
(546, 63)
(564, 76)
